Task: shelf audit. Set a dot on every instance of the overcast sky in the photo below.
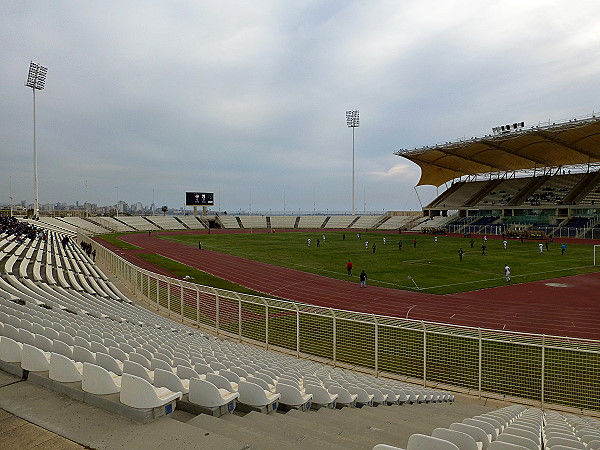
(247, 99)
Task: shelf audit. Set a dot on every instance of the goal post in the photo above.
(596, 255)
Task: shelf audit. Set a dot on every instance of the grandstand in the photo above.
(138, 223)
(310, 222)
(283, 222)
(253, 221)
(535, 178)
(192, 222)
(340, 222)
(166, 222)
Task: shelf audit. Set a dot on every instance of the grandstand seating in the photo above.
(512, 427)
(436, 222)
(85, 225)
(311, 221)
(283, 222)
(166, 222)
(229, 222)
(192, 222)
(366, 222)
(111, 223)
(340, 221)
(254, 221)
(88, 332)
(138, 223)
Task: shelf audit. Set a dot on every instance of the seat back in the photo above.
(139, 393)
(34, 359)
(220, 381)
(252, 394)
(185, 372)
(206, 394)
(82, 354)
(423, 442)
(166, 378)
(109, 363)
(97, 380)
(458, 438)
(134, 368)
(475, 432)
(64, 369)
(140, 359)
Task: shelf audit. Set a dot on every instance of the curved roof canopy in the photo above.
(555, 145)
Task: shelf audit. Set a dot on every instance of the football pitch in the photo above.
(429, 266)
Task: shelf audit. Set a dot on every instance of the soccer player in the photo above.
(308, 242)
(563, 249)
(349, 268)
(460, 254)
(384, 240)
(435, 239)
(366, 245)
(363, 279)
(504, 243)
(483, 247)
(507, 272)
(541, 247)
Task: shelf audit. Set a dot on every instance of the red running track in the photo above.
(566, 306)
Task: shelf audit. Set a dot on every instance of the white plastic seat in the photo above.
(291, 395)
(518, 440)
(320, 395)
(139, 393)
(161, 364)
(134, 368)
(344, 397)
(254, 395)
(204, 393)
(64, 369)
(166, 378)
(11, 331)
(117, 353)
(497, 445)
(462, 440)
(202, 369)
(423, 442)
(109, 363)
(476, 433)
(262, 383)
(10, 350)
(82, 354)
(221, 382)
(62, 348)
(140, 359)
(97, 380)
(34, 359)
(26, 336)
(485, 426)
(187, 373)
(362, 396)
(43, 343)
(555, 442)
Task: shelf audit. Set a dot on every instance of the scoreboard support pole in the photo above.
(196, 211)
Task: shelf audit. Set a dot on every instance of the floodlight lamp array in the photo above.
(36, 79)
(352, 118)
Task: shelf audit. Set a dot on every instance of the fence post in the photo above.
(181, 288)
(424, 354)
(169, 297)
(217, 304)
(197, 306)
(334, 337)
(266, 323)
(376, 346)
(240, 319)
(480, 361)
(297, 330)
(543, 367)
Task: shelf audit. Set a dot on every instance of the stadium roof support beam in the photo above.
(575, 148)
(536, 161)
(493, 167)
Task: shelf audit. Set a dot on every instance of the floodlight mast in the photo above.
(36, 79)
(352, 120)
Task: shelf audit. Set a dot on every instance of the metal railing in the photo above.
(541, 370)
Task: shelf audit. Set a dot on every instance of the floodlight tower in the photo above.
(352, 121)
(36, 79)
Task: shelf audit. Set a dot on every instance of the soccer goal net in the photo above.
(596, 255)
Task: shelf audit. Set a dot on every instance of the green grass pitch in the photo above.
(429, 267)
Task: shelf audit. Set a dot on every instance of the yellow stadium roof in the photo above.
(550, 145)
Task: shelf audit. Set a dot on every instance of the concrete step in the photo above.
(272, 427)
(226, 426)
(99, 429)
(317, 422)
